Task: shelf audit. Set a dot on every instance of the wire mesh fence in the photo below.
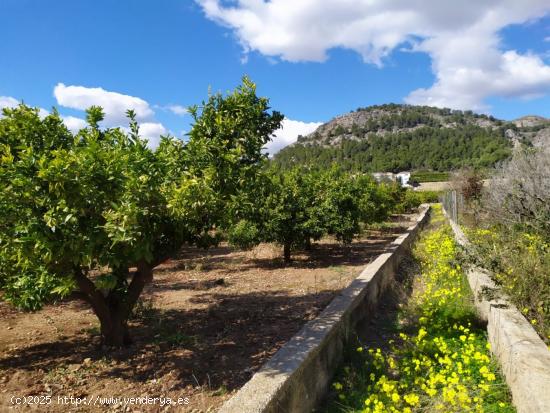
(453, 204)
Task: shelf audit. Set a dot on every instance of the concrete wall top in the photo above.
(522, 355)
(298, 375)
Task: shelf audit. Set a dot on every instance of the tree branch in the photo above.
(93, 296)
(142, 276)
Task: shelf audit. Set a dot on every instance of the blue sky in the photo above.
(314, 61)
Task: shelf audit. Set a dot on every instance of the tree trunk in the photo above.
(309, 245)
(114, 309)
(286, 252)
(115, 333)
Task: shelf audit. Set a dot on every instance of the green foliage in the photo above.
(429, 196)
(520, 263)
(295, 207)
(291, 211)
(244, 234)
(413, 199)
(341, 206)
(31, 288)
(429, 176)
(74, 203)
(228, 134)
(102, 201)
(388, 196)
(27, 222)
(429, 139)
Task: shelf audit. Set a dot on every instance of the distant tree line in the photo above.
(452, 115)
(425, 148)
(296, 207)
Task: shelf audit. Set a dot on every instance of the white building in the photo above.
(404, 178)
(401, 177)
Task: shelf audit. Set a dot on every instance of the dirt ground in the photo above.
(208, 321)
(434, 186)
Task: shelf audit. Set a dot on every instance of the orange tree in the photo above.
(300, 205)
(94, 213)
(283, 207)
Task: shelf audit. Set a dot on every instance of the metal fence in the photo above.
(453, 204)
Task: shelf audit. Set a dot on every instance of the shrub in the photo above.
(413, 199)
(291, 216)
(340, 206)
(296, 206)
(387, 197)
(519, 192)
(244, 234)
(469, 183)
(514, 242)
(520, 263)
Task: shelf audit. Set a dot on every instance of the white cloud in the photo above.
(152, 132)
(178, 110)
(114, 104)
(461, 38)
(11, 102)
(288, 133)
(73, 123)
(8, 102)
(464, 83)
(79, 97)
(547, 39)
(42, 113)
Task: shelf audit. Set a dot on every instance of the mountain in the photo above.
(396, 137)
(534, 129)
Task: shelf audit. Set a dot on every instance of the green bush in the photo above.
(300, 205)
(244, 234)
(514, 238)
(388, 196)
(410, 200)
(520, 262)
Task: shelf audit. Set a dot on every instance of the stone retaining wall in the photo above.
(523, 356)
(297, 377)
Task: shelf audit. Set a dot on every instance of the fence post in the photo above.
(450, 201)
(455, 212)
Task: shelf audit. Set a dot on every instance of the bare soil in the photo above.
(208, 321)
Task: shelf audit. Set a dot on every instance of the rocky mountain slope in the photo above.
(397, 137)
(393, 118)
(534, 129)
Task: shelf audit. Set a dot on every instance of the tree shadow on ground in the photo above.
(322, 255)
(221, 344)
(330, 255)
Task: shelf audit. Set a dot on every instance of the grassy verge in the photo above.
(413, 199)
(520, 264)
(430, 176)
(437, 358)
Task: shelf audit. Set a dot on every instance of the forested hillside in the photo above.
(400, 137)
